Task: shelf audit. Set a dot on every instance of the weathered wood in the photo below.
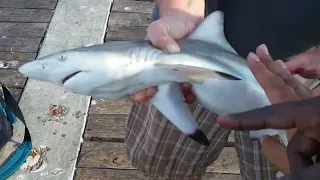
(19, 44)
(12, 78)
(34, 4)
(105, 106)
(126, 33)
(129, 19)
(23, 29)
(113, 155)
(132, 6)
(106, 127)
(74, 23)
(16, 93)
(25, 15)
(9, 64)
(17, 56)
(111, 128)
(118, 174)
(227, 162)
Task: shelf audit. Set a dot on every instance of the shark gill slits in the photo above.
(70, 76)
(227, 76)
(200, 137)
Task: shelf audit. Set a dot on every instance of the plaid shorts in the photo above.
(159, 149)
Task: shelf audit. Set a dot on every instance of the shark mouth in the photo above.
(69, 77)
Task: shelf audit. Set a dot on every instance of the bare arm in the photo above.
(193, 7)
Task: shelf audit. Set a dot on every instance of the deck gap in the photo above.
(27, 8)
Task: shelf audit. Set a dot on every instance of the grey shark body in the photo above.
(222, 81)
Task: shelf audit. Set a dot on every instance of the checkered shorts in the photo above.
(159, 149)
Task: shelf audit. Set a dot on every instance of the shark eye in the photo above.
(42, 66)
(61, 58)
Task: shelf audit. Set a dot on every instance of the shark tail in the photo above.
(169, 100)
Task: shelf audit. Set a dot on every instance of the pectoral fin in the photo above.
(169, 100)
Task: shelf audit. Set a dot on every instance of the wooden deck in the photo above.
(103, 155)
(23, 26)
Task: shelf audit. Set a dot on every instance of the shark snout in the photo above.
(34, 70)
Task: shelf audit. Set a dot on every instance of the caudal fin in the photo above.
(169, 100)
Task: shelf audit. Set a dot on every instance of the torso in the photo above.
(287, 27)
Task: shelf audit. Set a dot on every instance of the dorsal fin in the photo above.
(211, 30)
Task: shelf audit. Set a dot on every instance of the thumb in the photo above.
(160, 38)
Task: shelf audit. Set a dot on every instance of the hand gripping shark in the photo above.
(221, 80)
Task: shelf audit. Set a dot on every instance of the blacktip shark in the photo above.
(220, 78)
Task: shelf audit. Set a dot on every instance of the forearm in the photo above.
(193, 7)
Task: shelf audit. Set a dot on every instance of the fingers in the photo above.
(279, 69)
(300, 150)
(188, 95)
(279, 116)
(143, 96)
(276, 90)
(295, 63)
(159, 37)
(305, 64)
(275, 152)
(309, 173)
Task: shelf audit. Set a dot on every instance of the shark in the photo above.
(220, 78)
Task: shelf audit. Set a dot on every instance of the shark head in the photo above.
(79, 70)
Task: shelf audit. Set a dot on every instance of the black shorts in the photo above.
(287, 27)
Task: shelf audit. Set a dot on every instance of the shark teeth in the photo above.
(69, 77)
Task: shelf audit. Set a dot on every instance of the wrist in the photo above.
(190, 9)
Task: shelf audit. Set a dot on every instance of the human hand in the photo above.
(306, 64)
(162, 33)
(303, 114)
(280, 86)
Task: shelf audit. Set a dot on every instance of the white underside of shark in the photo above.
(116, 69)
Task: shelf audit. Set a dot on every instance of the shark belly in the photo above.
(234, 96)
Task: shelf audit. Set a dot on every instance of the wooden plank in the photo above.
(132, 6)
(75, 23)
(23, 29)
(129, 19)
(25, 15)
(16, 93)
(113, 155)
(12, 78)
(19, 44)
(111, 128)
(17, 56)
(35, 4)
(106, 127)
(118, 174)
(11, 64)
(105, 106)
(126, 33)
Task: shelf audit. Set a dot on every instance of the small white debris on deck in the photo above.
(93, 102)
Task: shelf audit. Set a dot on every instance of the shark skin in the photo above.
(221, 79)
